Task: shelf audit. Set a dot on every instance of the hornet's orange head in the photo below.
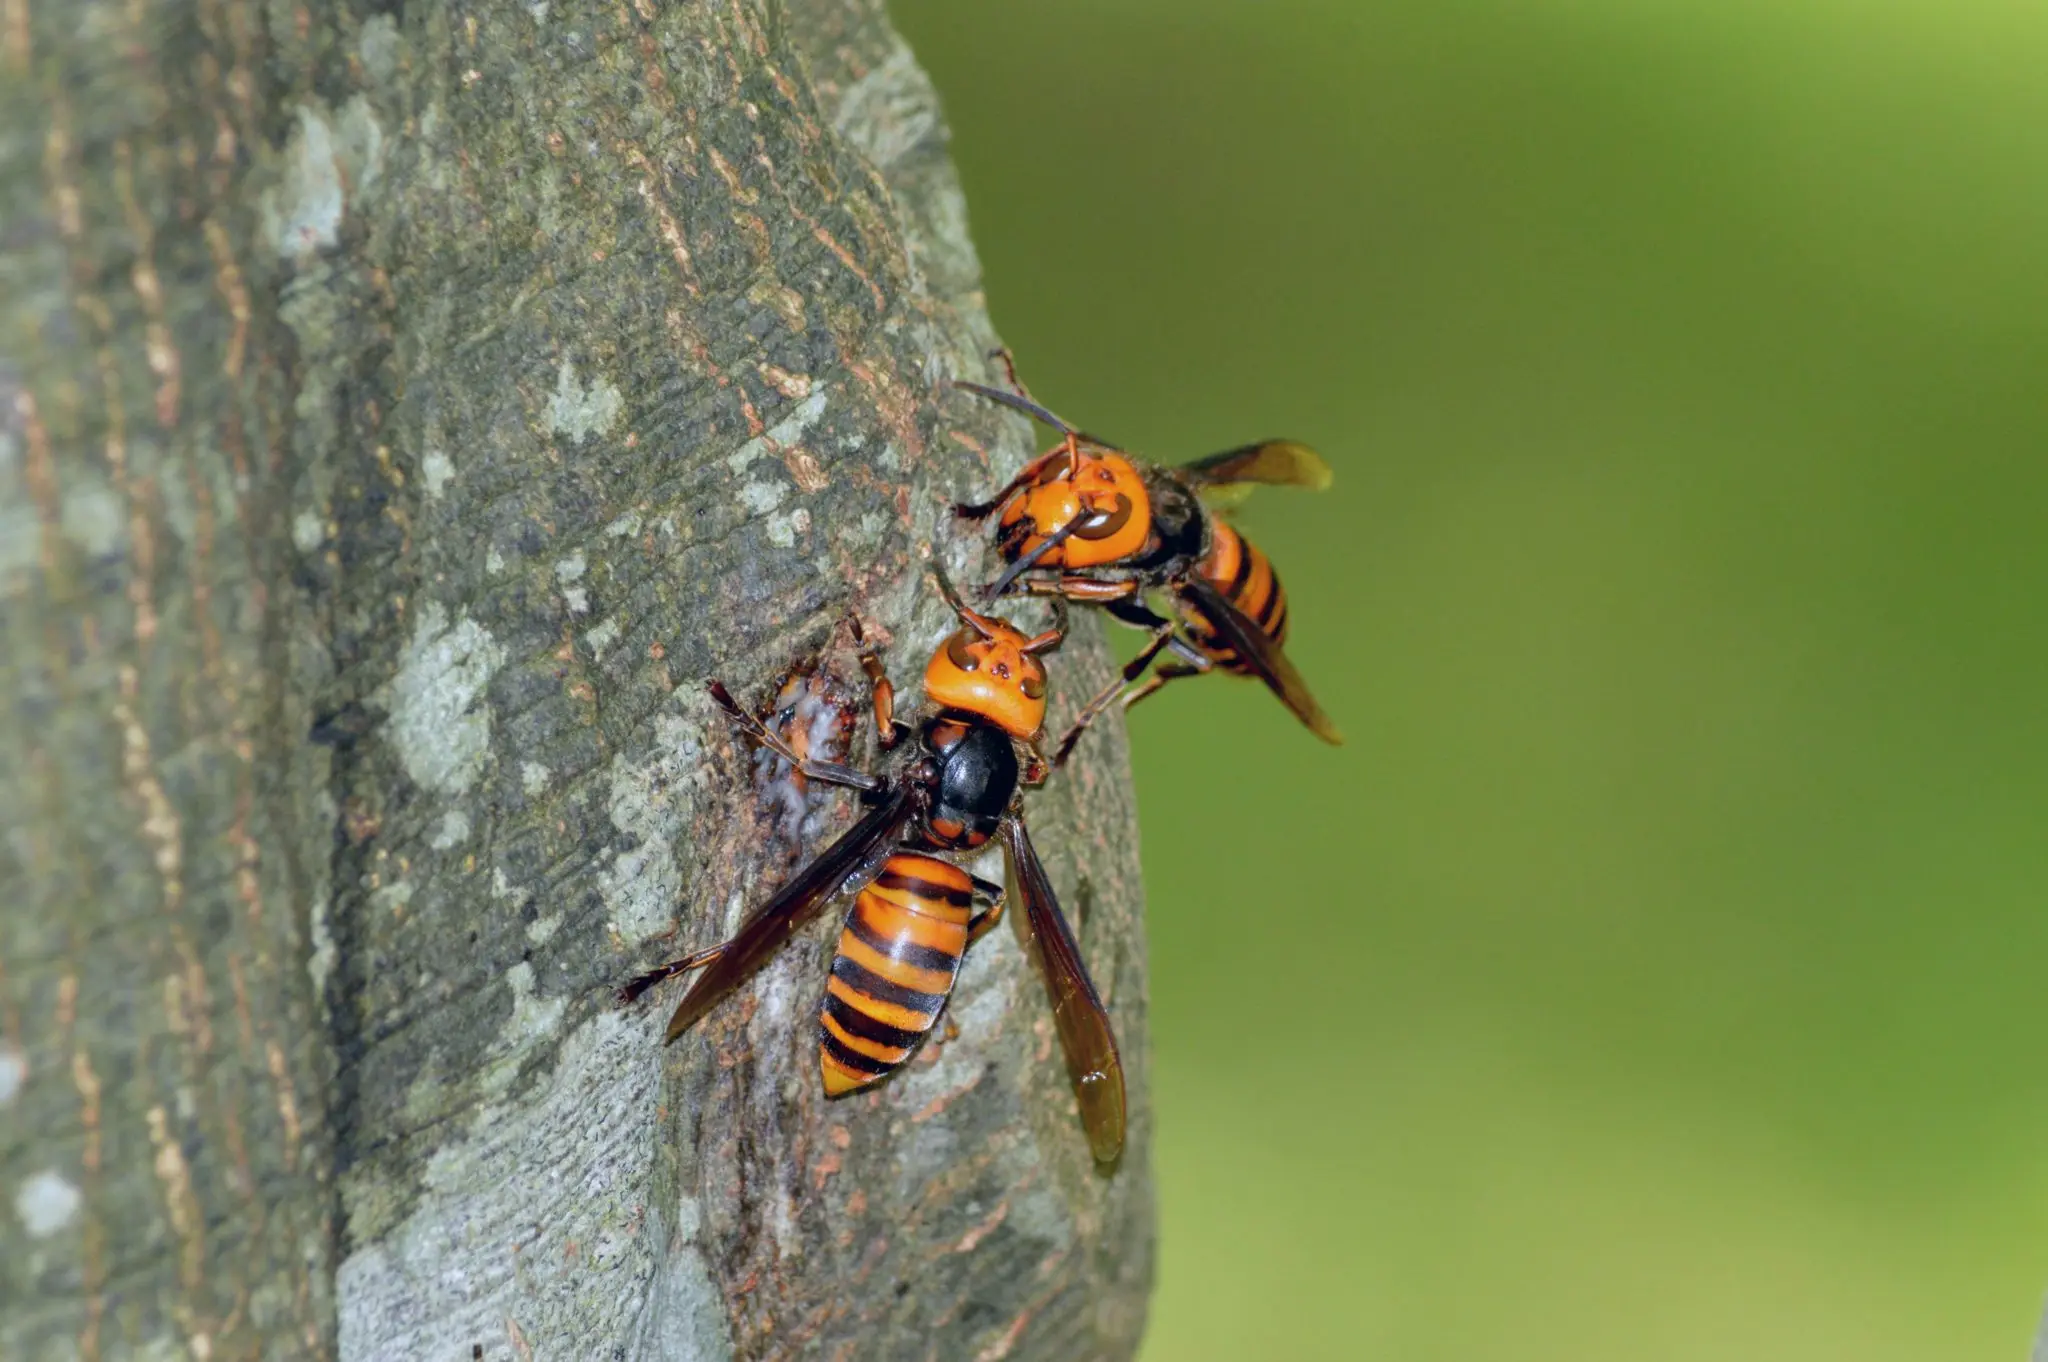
(991, 670)
(1086, 508)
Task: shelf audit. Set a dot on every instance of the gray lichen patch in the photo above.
(782, 530)
(533, 1216)
(13, 1072)
(360, 146)
(323, 163)
(20, 540)
(601, 636)
(651, 799)
(568, 572)
(320, 962)
(438, 470)
(304, 214)
(453, 831)
(45, 1203)
(531, 1026)
(395, 897)
(763, 497)
(533, 777)
(579, 411)
(439, 725)
(380, 47)
(685, 1316)
(784, 433)
(92, 517)
(890, 110)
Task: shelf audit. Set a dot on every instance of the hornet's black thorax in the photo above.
(975, 779)
(1180, 526)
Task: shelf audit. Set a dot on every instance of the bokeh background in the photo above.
(1659, 972)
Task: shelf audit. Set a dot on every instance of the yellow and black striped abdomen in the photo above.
(1244, 575)
(898, 954)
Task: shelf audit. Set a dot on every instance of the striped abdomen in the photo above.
(1236, 568)
(898, 954)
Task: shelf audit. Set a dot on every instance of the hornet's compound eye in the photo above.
(1103, 524)
(1034, 682)
(958, 653)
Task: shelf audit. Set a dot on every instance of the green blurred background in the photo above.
(1658, 972)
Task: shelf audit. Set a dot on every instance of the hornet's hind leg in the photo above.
(977, 927)
(639, 984)
(1132, 670)
(1172, 671)
(1165, 635)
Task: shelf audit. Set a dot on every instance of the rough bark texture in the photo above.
(460, 384)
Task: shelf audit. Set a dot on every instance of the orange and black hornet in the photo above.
(1086, 522)
(951, 791)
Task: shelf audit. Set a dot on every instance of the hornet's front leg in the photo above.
(831, 772)
(1030, 473)
(887, 730)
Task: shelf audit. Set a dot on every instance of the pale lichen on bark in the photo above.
(460, 385)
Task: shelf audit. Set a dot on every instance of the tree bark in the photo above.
(403, 408)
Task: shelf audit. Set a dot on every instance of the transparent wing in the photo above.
(1278, 463)
(1093, 1066)
(1261, 654)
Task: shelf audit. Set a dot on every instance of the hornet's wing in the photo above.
(1278, 463)
(1077, 1012)
(1244, 637)
(844, 866)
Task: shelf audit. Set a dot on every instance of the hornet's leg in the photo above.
(831, 772)
(641, 983)
(1086, 590)
(887, 730)
(1002, 354)
(1030, 473)
(1161, 637)
(978, 925)
(1169, 672)
(1036, 768)
(1138, 615)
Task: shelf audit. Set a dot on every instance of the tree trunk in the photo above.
(403, 408)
